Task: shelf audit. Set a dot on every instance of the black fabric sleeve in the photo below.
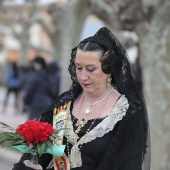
(44, 160)
(20, 165)
(126, 149)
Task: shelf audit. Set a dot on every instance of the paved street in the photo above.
(12, 117)
(8, 158)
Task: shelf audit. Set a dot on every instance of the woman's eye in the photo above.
(78, 68)
(91, 70)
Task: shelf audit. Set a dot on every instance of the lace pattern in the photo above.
(105, 126)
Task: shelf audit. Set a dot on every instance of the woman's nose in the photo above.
(83, 75)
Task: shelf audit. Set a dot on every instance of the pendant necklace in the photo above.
(88, 109)
(75, 137)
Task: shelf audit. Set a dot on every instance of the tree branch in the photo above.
(106, 12)
(39, 49)
(78, 5)
(38, 19)
(42, 49)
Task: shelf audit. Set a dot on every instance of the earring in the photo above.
(109, 80)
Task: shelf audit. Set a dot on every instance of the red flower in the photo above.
(35, 132)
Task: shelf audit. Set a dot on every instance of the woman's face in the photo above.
(89, 72)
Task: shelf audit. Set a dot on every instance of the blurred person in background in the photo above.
(25, 71)
(36, 89)
(12, 82)
(54, 79)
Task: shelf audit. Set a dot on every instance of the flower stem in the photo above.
(34, 159)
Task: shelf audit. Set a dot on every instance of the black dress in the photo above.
(91, 153)
(121, 148)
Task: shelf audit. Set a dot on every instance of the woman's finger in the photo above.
(31, 165)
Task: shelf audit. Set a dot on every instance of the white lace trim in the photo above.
(105, 126)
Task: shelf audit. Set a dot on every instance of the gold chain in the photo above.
(100, 111)
(75, 138)
(88, 111)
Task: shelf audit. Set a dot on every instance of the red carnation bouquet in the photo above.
(33, 137)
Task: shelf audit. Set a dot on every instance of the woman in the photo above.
(36, 91)
(107, 126)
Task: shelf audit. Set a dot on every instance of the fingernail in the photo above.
(26, 162)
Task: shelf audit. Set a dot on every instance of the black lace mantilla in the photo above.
(117, 63)
(129, 148)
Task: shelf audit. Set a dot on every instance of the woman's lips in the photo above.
(85, 85)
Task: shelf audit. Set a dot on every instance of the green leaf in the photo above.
(6, 126)
(39, 119)
(8, 134)
(18, 142)
(31, 146)
(22, 138)
(38, 146)
(49, 144)
(3, 140)
(18, 135)
(22, 148)
(42, 149)
(7, 142)
(51, 138)
(34, 159)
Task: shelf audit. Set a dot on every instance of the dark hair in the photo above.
(92, 46)
(40, 61)
(105, 56)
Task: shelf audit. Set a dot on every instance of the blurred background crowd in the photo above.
(34, 86)
(36, 38)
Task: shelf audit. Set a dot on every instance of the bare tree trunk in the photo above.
(68, 34)
(23, 55)
(63, 52)
(23, 37)
(155, 44)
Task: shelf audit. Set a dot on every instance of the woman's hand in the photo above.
(31, 165)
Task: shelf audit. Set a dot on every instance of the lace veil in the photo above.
(116, 62)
